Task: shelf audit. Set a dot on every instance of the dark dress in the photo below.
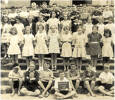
(94, 48)
(31, 85)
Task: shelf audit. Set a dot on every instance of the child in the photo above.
(20, 27)
(79, 50)
(53, 45)
(5, 34)
(53, 21)
(89, 78)
(107, 40)
(28, 49)
(66, 39)
(14, 45)
(15, 79)
(41, 21)
(94, 48)
(41, 47)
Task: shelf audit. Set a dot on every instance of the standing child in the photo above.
(54, 46)
(14, 49)
(66, 39)
(94, 48)
(79, 50)
(41, 47)
(5, 34)
(28, 49)
(107, 40)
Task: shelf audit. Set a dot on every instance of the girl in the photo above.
(28, 49)
(53, 21)
(53, 45)
(66, 39)
(65, 22)
(6, 26)
(14, 49)
(79, 50)
(41, 21)
(20, 28)
(94, 48)
(41, 47)
(107, 51)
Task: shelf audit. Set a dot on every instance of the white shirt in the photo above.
(106, 77)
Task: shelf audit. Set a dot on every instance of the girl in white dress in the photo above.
(54, 49)
(28, 48)
(6, 26)
(41, 47)
(65, 22)
(66, 39)
(41, 21)
(107, 51)
(53, 21)
(79, 50)
(14, 49)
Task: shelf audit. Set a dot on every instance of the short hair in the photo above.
(95, 26)
(41, 25)
(15, 64)
(107, 31)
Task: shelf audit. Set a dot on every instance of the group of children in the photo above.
(73, 32)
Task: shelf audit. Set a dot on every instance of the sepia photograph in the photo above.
(57, 50)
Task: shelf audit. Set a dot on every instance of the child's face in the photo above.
(79, 31)
(73, 67)
(53, 29)
(13, 31)
(32, 68)
(94, 30)
(107, 34)
(5, 19)
(15, 70)
(53, 14)
(27, 30)
(62, 76)
(40, 28)
(46, 66)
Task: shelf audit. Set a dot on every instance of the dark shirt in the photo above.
(29, 84)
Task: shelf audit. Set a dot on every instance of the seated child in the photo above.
(63, 88)
(15, 79)
(106, 82)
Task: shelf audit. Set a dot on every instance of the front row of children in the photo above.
(93, 44)
(67, 84)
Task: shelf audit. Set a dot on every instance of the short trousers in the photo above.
(16, 84)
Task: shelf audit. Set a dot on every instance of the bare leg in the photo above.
(55, 59)
(101, 89)
(11, 84)
(20, 84)
(64, 63)
(59, 95)
(80, 64)
(42, 60)
(89, 88)
(48, 86)
(41, 85)
(92, 85)
(72, 93)
(68, 63)
(52, 61)
(77, 84)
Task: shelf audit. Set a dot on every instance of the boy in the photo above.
(63, 91)
(15, 79)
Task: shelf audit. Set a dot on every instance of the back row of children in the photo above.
(88, 36)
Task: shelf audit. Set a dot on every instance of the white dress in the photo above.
(66, 46)
(53, 43)
(41, 47)
(28, 49)
(14, 48)
(20, 28)
(5, 33)
(107, 50)
(79, 49)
